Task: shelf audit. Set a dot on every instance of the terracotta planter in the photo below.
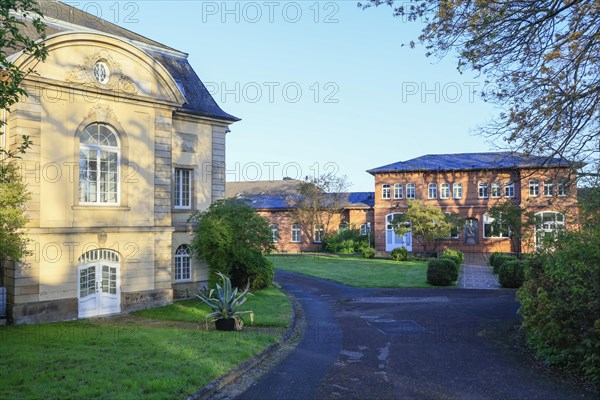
(228, 324)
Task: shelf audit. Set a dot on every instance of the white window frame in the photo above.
(548, 189)
(365, 229)
(451, 229)
(432, 191)
(482, 190)
(551, 226)
(534, 188)
(457, 188)
(445, 191)
(562, 188)
(98, 149)
(386, 191)
(296, 233)
(274, 232)
(319, 233)
(509, 190)
(487, 220)
(398, 191)
(496, 190)
(183, 264)
(179, 186)
(411, 191)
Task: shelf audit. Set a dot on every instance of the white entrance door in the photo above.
(99, 289)
(392, 240)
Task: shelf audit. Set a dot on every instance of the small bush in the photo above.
(511, 274)
(346, 241)
(455, 253)
(399, 254)
(253, 266)
(368, 252)
(441, 272)
(501, 259)
(455, 260)
(493, 257)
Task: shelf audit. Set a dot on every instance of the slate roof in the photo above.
(71, 19)
(280, 201)
(283, 186)
(470, 161)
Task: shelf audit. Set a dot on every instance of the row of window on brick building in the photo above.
(484, 190)
(319, 233)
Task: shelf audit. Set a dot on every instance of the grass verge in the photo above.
(132, 356)
(355, 271)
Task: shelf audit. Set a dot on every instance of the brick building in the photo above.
(468, 185)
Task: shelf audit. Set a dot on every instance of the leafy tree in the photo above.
(13, 17)
(13, 194)
(317, 201)
(514, 219)
(232, 238)
(541, 61)
(429, 225)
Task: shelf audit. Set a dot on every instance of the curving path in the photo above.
(406, 344)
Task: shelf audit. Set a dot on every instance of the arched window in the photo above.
(99, 159)
(183, 266)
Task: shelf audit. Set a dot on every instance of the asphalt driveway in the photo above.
(405, 344)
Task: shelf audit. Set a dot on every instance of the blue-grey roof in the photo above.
(471, 161)
(280, 201)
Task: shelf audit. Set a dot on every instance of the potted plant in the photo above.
(225, 303)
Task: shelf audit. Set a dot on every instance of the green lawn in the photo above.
(355, 271)
(134, 356)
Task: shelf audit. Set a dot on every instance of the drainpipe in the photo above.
(3, 145)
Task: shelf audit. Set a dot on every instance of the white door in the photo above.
(99, 289)
(393, 240)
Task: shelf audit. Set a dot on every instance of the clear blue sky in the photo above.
(317, 84)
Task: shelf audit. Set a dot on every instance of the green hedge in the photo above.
(456, 261)
(346, 241)
(368, 252)
(399, 254)
(442, 272)
(500, 259)
(511, 274)
(455, 253)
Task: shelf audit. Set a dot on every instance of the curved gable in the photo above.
(132, 73)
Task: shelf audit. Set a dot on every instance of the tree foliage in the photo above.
(13, 194)
(429, 225)
(317, 201)
(540, 59)
(514, 219)
(232, 238)
(14, 16)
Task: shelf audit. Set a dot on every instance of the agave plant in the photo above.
(227, 301)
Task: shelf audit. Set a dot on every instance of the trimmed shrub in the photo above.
(253, 266)
(501, 259)
(455, 253)
(456, 261)
(368, 252)
(511, 274)
(493, 257)
(441, 272)
(399, 254)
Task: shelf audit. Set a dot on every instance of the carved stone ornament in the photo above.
(102, 113)
(186, 143)
(100, 70)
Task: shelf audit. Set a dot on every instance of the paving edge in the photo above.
(216, 385)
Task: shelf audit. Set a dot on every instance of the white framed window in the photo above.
(411, 190)
(509, 190)
(489, 231)
(343, 227)
(457, 190)
(365, 229)
(183, 189)
(319, 233)
(482, 190)
(385, 191)
(99, 161)
(454, 229)
(432, 191)
(534, 188)
(496, 190)
(296, 233)
(183, 265)
(445, 191)
(275, 232)
(562, 188)
(548, 225)
(548, 189)
(398, 191)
